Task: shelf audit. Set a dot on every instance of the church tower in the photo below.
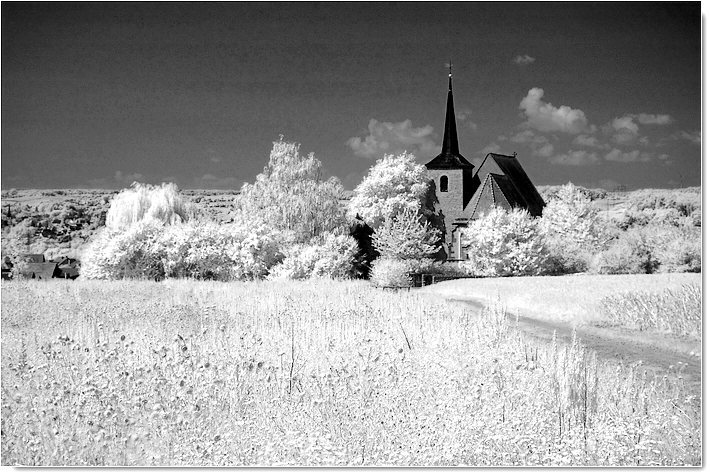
(453, 177)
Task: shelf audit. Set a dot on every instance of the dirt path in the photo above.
(657, 352)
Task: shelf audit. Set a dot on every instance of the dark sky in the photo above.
(98, 94)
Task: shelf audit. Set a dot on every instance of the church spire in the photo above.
(449, 158)
(451, 140)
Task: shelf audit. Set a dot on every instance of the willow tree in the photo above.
(292, 196)
(140, 202)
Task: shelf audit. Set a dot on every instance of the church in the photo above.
(466, 193)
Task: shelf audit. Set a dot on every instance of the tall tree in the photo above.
(292, 197)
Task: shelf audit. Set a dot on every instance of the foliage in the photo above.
(672, 311)
(329, 256)
(645, 250)
(388, 272)
(149, 250)
(118, 253)
(365, 253)
(505, 244)
(292, 197)
(394, 184)
(202, 373)
(572, 228)
(140, 202)
(406, 236)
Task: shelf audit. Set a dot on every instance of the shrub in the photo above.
(329, 256)
(125, 253)
(406, 236)
(631, 253)
(387, 272)
(505, 244)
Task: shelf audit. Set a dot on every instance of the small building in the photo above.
(32, 258)
(40, 271)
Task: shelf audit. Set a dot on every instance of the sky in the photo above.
(97, 95)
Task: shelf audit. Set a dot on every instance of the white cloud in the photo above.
(394, 137)
(528, 136)
(547, 118)
(464, 114)
(523, 60)
(575, 158)
(692, 136)
(657, 119)
(490, 148)
(587, 141)
(617, 155)
(544, 151)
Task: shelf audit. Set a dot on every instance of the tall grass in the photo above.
(676, 311)
(313, 373)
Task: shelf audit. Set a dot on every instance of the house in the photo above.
(465, 195)
(40, 271)
(33, 258)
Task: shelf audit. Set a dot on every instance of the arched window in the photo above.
(444, 183)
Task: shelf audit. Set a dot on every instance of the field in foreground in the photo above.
(313, 373)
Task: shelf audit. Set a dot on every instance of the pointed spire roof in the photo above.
(449, 158)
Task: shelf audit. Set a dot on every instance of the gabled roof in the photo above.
(512, 181)
(449, 158)
(40, 270)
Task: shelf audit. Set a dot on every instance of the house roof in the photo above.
(40, 270)
(35, 258)
(449, 158)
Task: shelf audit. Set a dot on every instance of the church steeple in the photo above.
(451, 140)
(449, 158)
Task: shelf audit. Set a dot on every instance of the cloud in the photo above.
(490, 148)
(523, 60)
(547, 118)
(544, 151)
(528, 136)
(691, 136)
(624, 130)
(657, 119)
(617, 155)
(464, 114)
(588, 141)
(575, 158)
(393, 137)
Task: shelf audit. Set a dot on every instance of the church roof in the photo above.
(449, 158)
(504, 183)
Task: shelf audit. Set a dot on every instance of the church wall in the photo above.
(451, 202)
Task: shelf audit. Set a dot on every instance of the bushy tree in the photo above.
(131, 252)
(329, 256)
(292, 197)
(163, 203)
(393, 184)
(406, 235)
(572, 228)
(505, 243)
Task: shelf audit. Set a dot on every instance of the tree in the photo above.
(143, 201)
(505, 244)
(392, 185)
(406, 236)
(572, 228)
(292, 197)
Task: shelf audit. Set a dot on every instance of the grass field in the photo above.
(313, 373)
(574, 299)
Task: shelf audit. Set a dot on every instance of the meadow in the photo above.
(317, 372)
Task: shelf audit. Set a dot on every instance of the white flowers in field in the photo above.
(393, 184)
(505, 244)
